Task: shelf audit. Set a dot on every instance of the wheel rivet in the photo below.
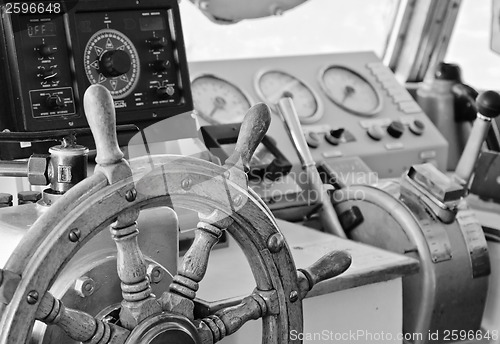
(131, 195)
(275, 242)
(186, 183)
(32, 297)
(74, 235)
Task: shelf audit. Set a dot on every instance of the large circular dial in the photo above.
(218, 101)
(273, 85)
(111, 59)
(351, 91)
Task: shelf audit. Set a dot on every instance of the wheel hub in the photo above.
(164, 328)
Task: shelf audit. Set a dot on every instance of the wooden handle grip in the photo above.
(252, 131)
(330, 265)
(100, 112)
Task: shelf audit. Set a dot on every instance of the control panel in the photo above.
(349, 105)
(135, 50)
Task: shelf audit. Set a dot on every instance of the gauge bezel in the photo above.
(370, 113)
(247, 97)
(303, 120)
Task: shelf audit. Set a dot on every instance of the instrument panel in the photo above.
(349, 104)
(135, 50)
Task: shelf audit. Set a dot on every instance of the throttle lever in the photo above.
(252, 131)
(488, 104)
(330, 265)
(327, 213)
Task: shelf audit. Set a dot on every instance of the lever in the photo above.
(330, 265)
(488, 104)
(252, 131)
(327, 213)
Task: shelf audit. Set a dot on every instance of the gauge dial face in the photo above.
(274, 85)
(351, 91)
(104, 48)
(218, 101)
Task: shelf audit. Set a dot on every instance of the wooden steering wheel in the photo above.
(113, 197)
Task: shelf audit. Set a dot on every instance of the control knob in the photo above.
(54, 102)
(157, 43)
(334, 136)
(396, 129)
(47, 50)
(114, 63)
(160, 65)
(165, 91)
(50, 74)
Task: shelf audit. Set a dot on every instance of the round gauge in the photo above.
(218, 101)
(273, 85)
(351, 91)
(111, 60)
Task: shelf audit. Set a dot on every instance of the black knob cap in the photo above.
(276, 169)
(157, 43)
(396, 129)
(54, 102)
(334, 137)
(47, 50)
(114, 63)
(448, 71)
(160, 65)
(488, 104)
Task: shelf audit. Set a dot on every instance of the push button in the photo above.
(312, 139)
(334, 137)
(376, 132)
(396, 129)
(417, 127)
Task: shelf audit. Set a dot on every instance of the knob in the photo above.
(114, 63)
(417, 127)
(165, 91)
(47, 50)
(276, 169)
(312, 139)
(488, 104)
(376, 132)
(396, 129)
(54, 102)
(5, 200)
(157, 43)
(334, 137)
(160, 65)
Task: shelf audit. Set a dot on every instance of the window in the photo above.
(317, 26)
(470, 46)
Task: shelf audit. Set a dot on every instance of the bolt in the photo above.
(74, 235)
(131, 195)
(294, 296)
(84, 286)
(275, 242)
(237, 200)
(155, 273)
(227, 174)
(186, 183)
(32, 297)
(203, 5)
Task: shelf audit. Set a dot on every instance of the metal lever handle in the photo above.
(327, 213)
(488, 104)
(100, 112)
(252, 131)
(330, 265)
(292, 123)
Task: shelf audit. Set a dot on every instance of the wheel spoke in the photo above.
(194, 265)
(138, 303)
(78, 325)
(229, 320)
